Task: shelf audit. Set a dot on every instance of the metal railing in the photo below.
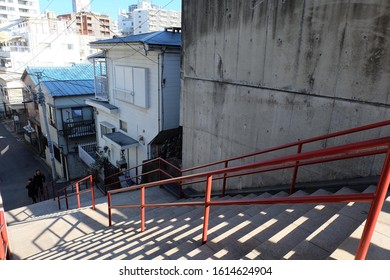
(101, 87)
(341, 152)
(65, 193)
(79, 128)
(159, 170)
(299, 145)
(5, 252)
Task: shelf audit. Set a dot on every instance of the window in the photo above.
(130, 85)
(52, 116)
(70, 46)
(106, 128)
(123, 125)
(57, 153)
(77, 114)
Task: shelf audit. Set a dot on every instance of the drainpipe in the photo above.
(159, 92)
(49, 142)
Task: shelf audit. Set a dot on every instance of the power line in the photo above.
(65, 29)
(122, 41)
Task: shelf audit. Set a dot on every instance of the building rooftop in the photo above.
(70, 88)
(76, 72)
(64, 80)
(161, 38)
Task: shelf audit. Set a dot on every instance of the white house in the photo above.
(11, 94)
(70, 121)
(137, 97)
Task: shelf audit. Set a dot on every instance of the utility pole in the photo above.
(41, 99)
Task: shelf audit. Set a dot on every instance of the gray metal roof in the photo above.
(120, 139)
(62, 73)
(70, 88)
(161, 38)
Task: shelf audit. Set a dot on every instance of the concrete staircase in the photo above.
(302, 231)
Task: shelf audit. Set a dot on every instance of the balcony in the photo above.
(78, 129)
(87, 153)
(101, 87)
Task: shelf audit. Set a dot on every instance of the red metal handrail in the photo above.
(77, 193)
(364, 148)
(143, 164)
(299, 144)
(5, 251)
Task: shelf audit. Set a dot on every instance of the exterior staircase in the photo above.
(318, 225)
(269, 232)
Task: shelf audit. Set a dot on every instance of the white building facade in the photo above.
(145, 17)
(42, 42)
(15, 9)
(138, 97)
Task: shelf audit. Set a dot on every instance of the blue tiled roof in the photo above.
(70, 88)
(62, 73)
(162, 38)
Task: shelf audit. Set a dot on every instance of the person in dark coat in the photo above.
(32, 190)
(38, 181)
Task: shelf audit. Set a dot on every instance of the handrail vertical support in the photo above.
(142, 209)
(207, 208)
(58, 201)
(224, 179)
(78, 195)
(295, 172)
(92, 192)
(136, 175)
(4, 238)
(109, 209)
(66, 199)
(376, 206)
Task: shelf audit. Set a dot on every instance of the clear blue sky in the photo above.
(109, 7)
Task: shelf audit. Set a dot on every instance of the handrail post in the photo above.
(295, 171)
(376, 206)
(66, 199)
(92, 192)
(109, 209)
(207, 208)
(136, 175)
(58, 200)
(142, 209)
(224, 179)
(4, 237)
(78, 195)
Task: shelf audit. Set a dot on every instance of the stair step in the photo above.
(331, 215)
(284, 231)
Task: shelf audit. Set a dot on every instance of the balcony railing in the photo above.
(87, 153)
(101, 87)
(78, 129)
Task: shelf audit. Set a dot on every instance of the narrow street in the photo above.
(17, 164)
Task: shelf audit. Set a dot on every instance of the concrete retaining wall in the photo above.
(257, 74)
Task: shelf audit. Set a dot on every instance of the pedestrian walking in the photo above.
(38, 181)
(32, 190)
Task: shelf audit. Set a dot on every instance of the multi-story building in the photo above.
(15, 9)
(70, 121)
(80, 5)
(145, 17)
(137, 97)
(88, 23)
(39, 41)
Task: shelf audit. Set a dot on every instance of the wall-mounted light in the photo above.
(141, 140)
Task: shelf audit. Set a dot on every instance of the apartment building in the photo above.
(88, 23)
(15, 9)
(146, 17)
